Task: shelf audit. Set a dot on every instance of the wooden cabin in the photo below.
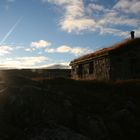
(118, 62)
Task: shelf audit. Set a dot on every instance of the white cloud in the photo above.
(97, 8)
(61, 2)
(50, 50)
(116, 32)
(31, 61)
(113, 18)
(76, 25)
(5, 50)
(23, 62)
(40, 44)
(30, 49)
(95, 17)
(128, 6)
(74, 19)
(79, 50)
(68, 49)
(138, 32)
(63, 49)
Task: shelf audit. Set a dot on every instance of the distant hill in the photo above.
(58, 66)
(55, 66)
(6, 68)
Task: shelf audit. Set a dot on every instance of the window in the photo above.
(91, 67)
(80, 70)
(134, 66)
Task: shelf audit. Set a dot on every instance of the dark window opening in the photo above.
(91, 68)
(80, 70)
(119, 60)
(134, 67)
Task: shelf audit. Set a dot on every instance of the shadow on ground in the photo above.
(62, 109)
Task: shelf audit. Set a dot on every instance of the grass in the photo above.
(91, 108)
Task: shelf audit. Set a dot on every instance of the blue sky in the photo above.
(39, 33)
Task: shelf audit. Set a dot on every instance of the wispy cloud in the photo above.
(74, 18)
(138, 32)
(68, 49)
(76, 25)
(31, 61)
(95, 17)
(46, 46)
(96, 8)
(40, 44)
(5, 50)
(10, 31)
(128, 6)
(23, 62)
(29, 49)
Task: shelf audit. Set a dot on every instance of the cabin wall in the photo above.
(120, 62)
(98, 69)
(125, 65)
(74, 72)
(102, 68)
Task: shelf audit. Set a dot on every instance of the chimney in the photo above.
(132, 35)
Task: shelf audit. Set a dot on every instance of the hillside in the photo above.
(62, 109)
(58, 66)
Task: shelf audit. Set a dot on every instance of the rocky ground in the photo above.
(63, 109)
